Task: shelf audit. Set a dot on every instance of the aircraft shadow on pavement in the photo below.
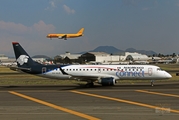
(83, 87)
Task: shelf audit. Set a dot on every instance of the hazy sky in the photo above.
(140, 24)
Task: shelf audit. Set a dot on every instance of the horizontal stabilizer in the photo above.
(20, 68)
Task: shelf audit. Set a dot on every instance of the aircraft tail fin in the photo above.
(80, 31)
(22, 58)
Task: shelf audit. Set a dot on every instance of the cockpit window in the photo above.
(158, 69)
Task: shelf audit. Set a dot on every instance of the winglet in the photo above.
(63, 71)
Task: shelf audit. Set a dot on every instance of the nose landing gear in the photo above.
(152, 83)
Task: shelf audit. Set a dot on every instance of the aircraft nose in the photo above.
(167, 75)
(49, 35)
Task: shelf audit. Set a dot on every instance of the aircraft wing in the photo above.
(87, 77)
(64, 36)
(80, 77)
(91, 77)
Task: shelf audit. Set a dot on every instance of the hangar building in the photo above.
(105, 58)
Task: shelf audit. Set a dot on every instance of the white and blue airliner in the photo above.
(102, 74)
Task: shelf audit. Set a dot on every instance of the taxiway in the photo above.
(129, 102)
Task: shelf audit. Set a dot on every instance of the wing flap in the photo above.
(92, 77)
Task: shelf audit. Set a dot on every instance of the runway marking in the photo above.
(54, 106)
(40, 91)
(126, 101)
(157, 93)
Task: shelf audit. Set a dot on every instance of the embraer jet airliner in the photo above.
(102, 74)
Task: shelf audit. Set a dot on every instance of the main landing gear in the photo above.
(90, 84)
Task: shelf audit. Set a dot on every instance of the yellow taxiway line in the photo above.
(54, 106)
(157, 93)
(126, 101)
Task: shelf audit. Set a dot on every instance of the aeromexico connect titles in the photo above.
(102, 74)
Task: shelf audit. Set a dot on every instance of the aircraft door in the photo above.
(150, 71)
(44, 69)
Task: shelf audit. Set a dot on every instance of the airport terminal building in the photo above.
(3, 57)
(104, 58)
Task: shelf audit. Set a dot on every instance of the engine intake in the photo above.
(107, 81)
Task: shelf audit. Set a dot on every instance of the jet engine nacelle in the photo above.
(60, 37)
(107, 81)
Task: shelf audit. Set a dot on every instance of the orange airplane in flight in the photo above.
(65, 36)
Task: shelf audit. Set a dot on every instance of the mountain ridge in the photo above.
(114, 50)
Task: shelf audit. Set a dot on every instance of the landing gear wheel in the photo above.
(152, 83)
(89, 84)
